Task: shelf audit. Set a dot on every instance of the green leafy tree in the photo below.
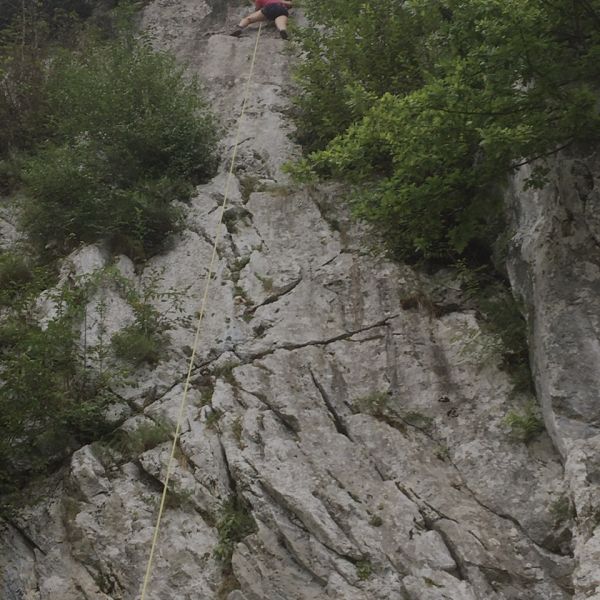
(129, 134)
(487, 85)
(50, 403)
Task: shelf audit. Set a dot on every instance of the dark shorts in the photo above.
(272, 11)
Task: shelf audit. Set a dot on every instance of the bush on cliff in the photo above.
(425, 107)
(128, 135)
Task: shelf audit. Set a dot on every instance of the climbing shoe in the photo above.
(283, 34)
(236, 33)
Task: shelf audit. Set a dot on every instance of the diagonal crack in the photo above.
(298, 346)
(29, 541)
(282, 291)
(337, 420)
(289, 422)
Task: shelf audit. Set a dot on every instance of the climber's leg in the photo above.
(281, 24)
(253, 18)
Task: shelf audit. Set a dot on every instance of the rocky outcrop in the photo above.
(554, 263)
(345, 435)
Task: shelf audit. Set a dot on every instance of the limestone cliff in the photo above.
(352, 432)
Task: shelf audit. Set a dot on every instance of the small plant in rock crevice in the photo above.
(225, 372)
(213, 418)
(237, 428)
(234, 524)
(179, 499)
(267, 283)
(374, 404)
(376, 521)
(248, 185)
(364, 569)
(562, 510)
(206, 395)
(241, 295)
(237, 267)
(143, 340)
(145, 437)
(525, 425)
(418, 420)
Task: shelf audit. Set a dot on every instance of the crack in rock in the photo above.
(335, 417)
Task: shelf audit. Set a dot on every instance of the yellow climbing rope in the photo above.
(183, 404)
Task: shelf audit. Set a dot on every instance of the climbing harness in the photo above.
(201, 313)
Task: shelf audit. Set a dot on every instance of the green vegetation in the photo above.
(502, 317)
(15, 274)
(143, 340)
(50, 402)
(148, 435)
(525, 425)
(267, 283)
(100, 135)
(213, 418)
(376, 521)
(562, 510)
(55, 387)
(225, 371)
(127, 139)
(180, 499)
(364, 569)
(374, 404)
(136, 346)
(425, 107)
(111, 133)
(237, 428)
(234, 524)
(418, 420)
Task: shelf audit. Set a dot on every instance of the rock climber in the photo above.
(267, 10)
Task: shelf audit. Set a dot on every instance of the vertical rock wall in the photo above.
(554, 263)
(345, 434)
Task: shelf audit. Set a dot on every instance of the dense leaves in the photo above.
(128, 136)
(99, 135)
(103, 131)
(426, 107)
(49, 402)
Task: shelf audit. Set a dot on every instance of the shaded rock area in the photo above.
(554, 263)
(341, 439)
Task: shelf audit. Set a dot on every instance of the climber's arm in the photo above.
(286, 3)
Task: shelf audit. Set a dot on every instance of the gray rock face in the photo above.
(334, 444)
(554, 263)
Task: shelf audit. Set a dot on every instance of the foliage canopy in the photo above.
(104, 132)
(425, 107)
(128, 135)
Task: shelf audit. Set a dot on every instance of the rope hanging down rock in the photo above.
(202, 311)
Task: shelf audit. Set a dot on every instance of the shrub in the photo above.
(234, 524)
(501, 316)
(145, 437)
(427, 111)
(49, 404)
(525, 425)
(129, 134)
(136, 346)
(364, 569)
(15, 273)
(143, 340)
(562, 510)
(51, 401)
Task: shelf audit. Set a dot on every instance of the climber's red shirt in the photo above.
(262, 3)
